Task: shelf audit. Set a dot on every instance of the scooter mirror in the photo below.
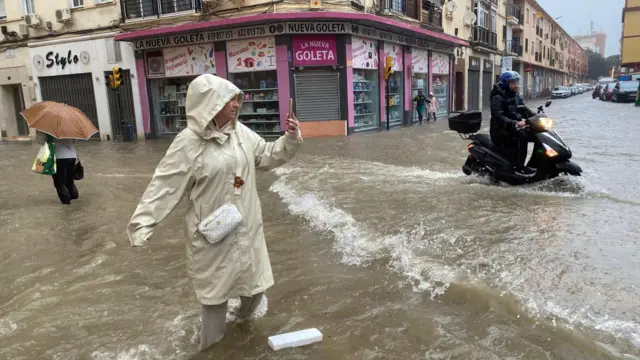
(548, 103)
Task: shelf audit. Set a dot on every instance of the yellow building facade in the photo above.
(630, 42)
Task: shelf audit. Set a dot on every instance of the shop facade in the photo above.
(332, 70)
(72, 71)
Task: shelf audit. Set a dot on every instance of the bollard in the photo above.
(127, 132)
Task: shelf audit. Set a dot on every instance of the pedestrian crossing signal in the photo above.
(389, 63)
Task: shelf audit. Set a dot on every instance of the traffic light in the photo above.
(117, 78)
(389, 63)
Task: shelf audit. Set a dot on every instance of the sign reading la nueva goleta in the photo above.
(293, 28)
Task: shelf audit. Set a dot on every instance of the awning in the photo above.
(407, 33)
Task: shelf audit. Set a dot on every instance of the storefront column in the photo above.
(452, 60)
(383, 91)
(351, 122)
(430, 86)
(408, 114)
(220, 58)
(284, 87)
(144, 94)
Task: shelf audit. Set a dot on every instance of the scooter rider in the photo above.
(506, 120)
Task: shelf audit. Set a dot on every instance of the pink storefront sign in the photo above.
(314, 50)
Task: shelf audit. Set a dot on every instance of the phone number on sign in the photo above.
(238, 33)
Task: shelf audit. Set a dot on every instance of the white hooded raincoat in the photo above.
(202, 162)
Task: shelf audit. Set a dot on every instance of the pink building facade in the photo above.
(329, 63)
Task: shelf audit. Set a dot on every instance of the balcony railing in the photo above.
(514, 11)
(514, 47)
(431, 14)
(484, 37)
(140, 9)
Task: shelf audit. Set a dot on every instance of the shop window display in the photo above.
(169, 104)
(366, 89)
(260, 107)
(440, 86)
(395, 93)
(365, 99)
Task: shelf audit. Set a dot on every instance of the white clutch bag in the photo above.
(220, 223)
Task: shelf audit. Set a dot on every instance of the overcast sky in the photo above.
(578, 14)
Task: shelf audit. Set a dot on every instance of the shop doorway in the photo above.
(459, 82)
(127, 110)
(18, 106)
(474, 90)
(12, 103)
(317, 95)
(487, 84)
(73, 90)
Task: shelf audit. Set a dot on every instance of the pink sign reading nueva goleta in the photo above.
(314, 50)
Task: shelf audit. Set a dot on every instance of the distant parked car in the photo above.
(574, 90)
(560, 92)
(605, 95)
(596, 92)
(624, 91)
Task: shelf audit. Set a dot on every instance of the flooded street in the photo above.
(379, 240)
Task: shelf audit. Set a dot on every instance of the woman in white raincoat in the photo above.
(202, 162)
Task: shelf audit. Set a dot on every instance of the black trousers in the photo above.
(514, 146)
(63, 180)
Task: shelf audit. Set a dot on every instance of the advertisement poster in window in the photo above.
(364, 53)
(257, 54)
(419, 61)
(440, 86)
(189, 60)
(394, 51)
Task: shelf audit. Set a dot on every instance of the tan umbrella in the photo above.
(59, 120)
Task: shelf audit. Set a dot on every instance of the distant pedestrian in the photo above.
(421, 102)
(433, 107)
(66, 157)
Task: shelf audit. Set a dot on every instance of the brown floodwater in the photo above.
(376, 239)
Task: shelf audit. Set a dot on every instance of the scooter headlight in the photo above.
(548, 150)
(546, 123)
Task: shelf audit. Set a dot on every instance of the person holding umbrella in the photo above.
(61, 125)
(66, 156)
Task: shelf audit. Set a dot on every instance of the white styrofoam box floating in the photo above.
(296, 338)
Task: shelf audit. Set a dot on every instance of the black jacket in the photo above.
(504, 113)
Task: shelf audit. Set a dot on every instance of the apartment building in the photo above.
(60, 50)
(484, 23)
(329, 57)
(543, 52)
(630, 42)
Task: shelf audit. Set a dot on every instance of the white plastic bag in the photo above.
(220, 223)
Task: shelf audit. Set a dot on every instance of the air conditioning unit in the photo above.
(32, 20)
(23, 30)
(63, 15)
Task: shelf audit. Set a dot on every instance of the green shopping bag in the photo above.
(45, 162)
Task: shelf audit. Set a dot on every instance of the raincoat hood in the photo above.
(206, 96)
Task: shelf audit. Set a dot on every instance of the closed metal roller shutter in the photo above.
(73, 90)
(128, 111)
(317, 95)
